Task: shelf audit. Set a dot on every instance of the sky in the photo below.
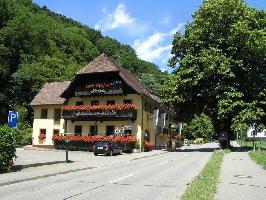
(146, 25)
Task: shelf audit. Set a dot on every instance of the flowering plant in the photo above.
(122, 139)
(97, 85)
(101, 107)
(42, 136)
(147, 145)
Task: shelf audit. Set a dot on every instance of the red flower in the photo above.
(97, 85)
(42, 136)
(147, 145)
(101, 107)
(91, 139)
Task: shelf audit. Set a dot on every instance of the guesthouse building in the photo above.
(103, 99)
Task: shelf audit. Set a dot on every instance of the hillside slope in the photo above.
(38, 46)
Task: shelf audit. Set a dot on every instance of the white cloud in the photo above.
(119, 18)
(155, 48)
(165, 21)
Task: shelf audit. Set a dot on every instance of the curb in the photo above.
(43, 176)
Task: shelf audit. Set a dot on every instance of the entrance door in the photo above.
(110, 130)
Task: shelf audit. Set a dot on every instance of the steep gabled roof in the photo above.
(100, 64)
(50, 94)
(103, 64)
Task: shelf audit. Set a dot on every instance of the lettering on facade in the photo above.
(98, 91)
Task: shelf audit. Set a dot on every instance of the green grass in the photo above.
(204, 186)
(259, 144)
(259, 157)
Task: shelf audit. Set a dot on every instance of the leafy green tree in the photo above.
(200, 127)
(220, 65)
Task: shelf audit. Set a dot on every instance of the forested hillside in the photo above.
(38, 46)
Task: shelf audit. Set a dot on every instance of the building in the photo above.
(103, 99)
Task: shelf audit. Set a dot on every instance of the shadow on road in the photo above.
(20, 167)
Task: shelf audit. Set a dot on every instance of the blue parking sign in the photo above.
(12, 119)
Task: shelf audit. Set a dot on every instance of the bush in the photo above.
(200, 127)
(198, 141)
(7, 148)
(23, 135)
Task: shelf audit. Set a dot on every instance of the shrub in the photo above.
(7, 148)
(23, 135)
(200, 127)
(137, 145)
(198, 141)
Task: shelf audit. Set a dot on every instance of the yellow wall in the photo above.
(138, 126)
(47, 124)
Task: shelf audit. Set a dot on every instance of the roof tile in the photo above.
(50, 94)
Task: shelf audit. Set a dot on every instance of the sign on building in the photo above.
(12, 119)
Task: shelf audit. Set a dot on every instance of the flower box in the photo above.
(85, 143)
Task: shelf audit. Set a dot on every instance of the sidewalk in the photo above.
(32, 170)
(241, 178)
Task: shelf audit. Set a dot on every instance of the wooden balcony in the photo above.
(111, 90)
(100, 115)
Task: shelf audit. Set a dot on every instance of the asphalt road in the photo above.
(163, 176)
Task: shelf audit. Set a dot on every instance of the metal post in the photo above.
(67, 142)
(67, 154)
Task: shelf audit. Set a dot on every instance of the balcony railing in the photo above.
(90, 89)
(83, 91)
(99, 115)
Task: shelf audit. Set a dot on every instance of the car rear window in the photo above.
(101, 144)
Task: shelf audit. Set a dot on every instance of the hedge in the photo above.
(7, 148)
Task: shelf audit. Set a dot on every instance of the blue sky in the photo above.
(147, 25)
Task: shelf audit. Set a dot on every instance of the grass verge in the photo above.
(259, 157)
(204, 186)
(259, 144)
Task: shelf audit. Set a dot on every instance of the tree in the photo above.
(222, 66)
(199, 127)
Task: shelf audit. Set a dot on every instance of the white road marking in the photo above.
(163, 163)
(121, 178)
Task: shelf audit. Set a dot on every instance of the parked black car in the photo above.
(107, 148)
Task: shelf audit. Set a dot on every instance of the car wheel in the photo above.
(111, 153)
(95, 154)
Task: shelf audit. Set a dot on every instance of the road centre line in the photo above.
(121, 178)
